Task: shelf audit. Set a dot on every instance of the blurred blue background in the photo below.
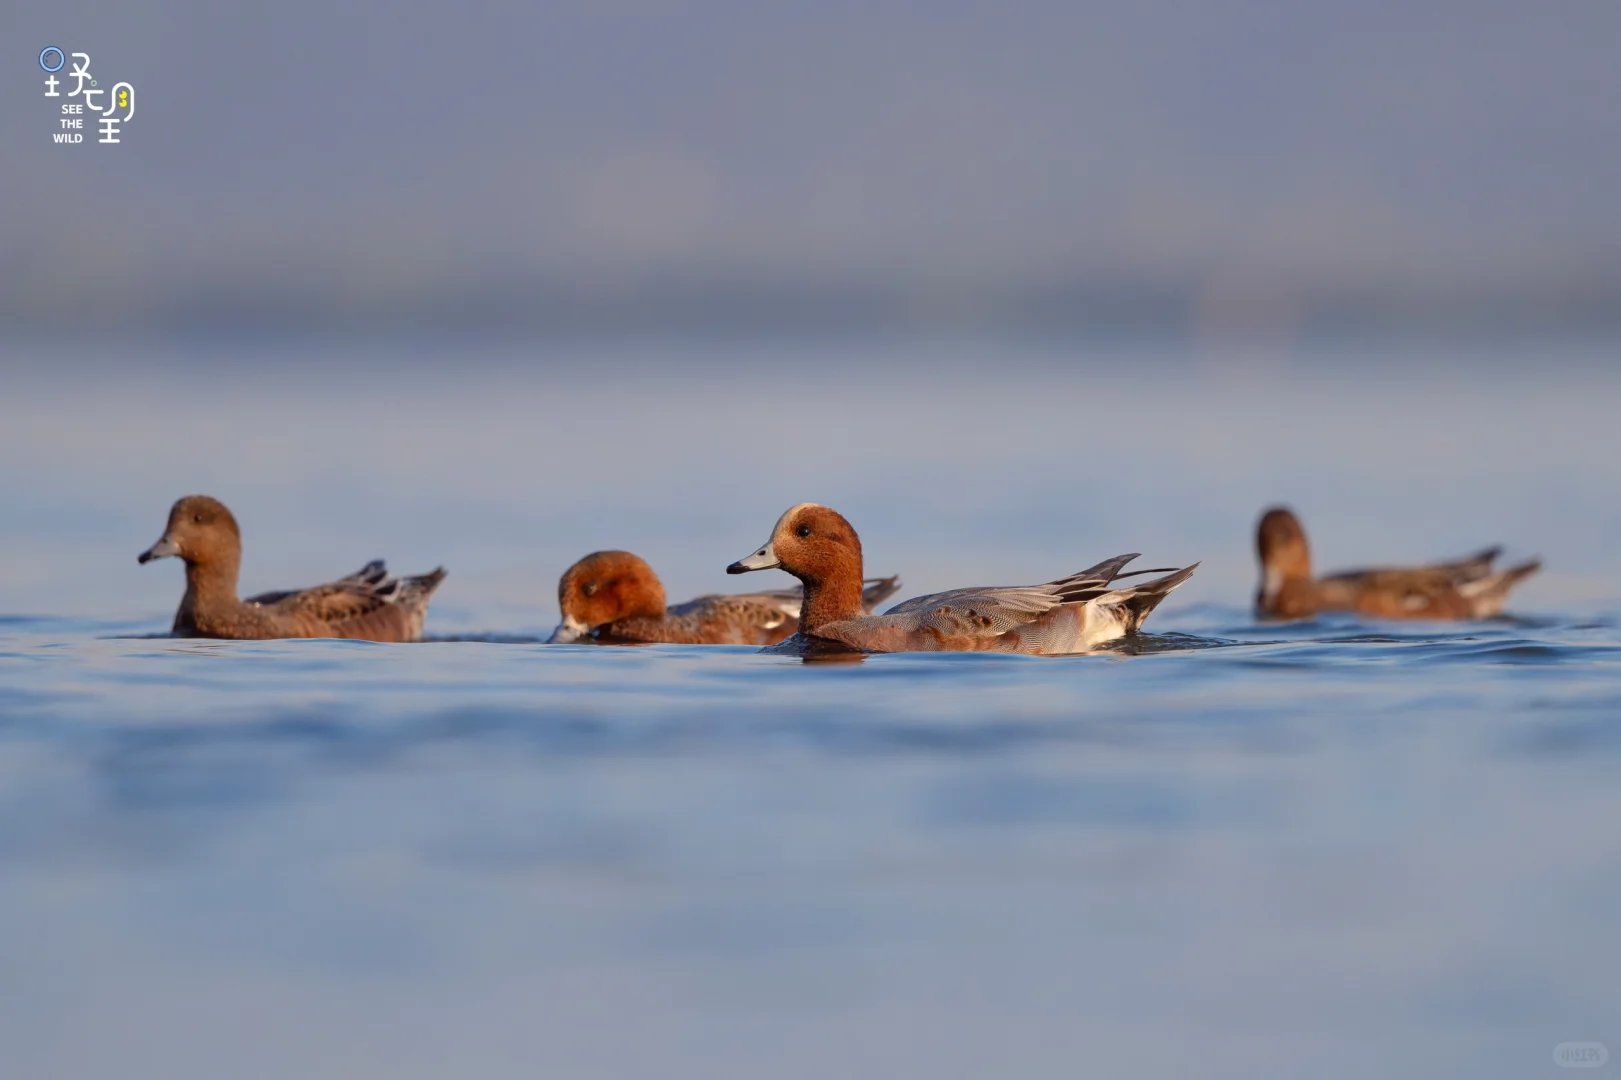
(1249, 167)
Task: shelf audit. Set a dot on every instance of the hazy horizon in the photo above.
(1224, 171)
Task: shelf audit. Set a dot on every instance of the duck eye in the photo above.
(198, 518)
(803, 531)
(589, 588)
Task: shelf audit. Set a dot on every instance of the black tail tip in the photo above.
(431, 579)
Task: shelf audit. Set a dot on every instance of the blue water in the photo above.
(1335, 848)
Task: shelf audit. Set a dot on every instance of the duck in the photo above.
(1465, 589)
(614, 597)
(1074, 614)
(367, 605)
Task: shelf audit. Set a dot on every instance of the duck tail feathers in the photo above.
(1478, 565)
(1488, 593)
(1136, 602)
(1089, 583)
(875, 591)
(412, 591)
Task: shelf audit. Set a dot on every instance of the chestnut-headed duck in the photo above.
(614, 597)
(1466, 589)
(1071, 615)
(368, 604)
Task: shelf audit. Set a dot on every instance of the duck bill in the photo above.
(569, 630)
(764, 559)
(163, 549)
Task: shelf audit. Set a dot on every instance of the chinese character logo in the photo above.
(85, 98)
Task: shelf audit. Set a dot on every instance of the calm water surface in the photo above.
(1333, 848)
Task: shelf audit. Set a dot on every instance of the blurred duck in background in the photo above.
(819, 547)
(367, 605)
(1466, 589)
(614, 597)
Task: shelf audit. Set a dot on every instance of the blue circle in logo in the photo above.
(48, 50)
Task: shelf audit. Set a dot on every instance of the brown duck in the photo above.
(1071, 615)
(1466, 589)
(368, 604)
(614, 597)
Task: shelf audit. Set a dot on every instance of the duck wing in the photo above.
(1017, 604)
(989, 611)
(347, 605)
(735, 619)
(1432, 579)
(1468, 588)
(772, 605)
(372, 575)
(1474, 567)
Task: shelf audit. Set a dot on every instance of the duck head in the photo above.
(811, 542)
(201, 531)
(1280, 544)
(602, 588)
